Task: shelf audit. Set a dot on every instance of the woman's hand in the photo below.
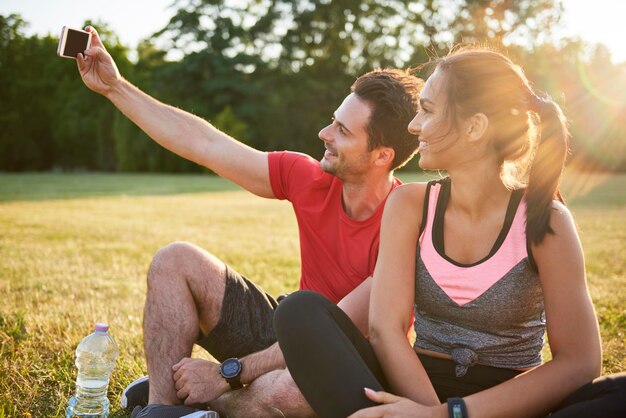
(395, 406)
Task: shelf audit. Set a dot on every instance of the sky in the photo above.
(132, 20)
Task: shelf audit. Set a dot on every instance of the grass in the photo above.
(75, 248)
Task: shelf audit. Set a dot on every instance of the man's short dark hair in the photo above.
(393, 95)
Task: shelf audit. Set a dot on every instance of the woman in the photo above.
(488, 259)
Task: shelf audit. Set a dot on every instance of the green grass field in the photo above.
(75, 249)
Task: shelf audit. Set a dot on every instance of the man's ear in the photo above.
(476, 126)
(384, 156)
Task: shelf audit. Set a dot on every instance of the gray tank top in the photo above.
(490, 312)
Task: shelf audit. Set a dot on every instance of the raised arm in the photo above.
(393, 290)
(180, 132)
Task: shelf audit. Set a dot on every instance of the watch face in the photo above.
(230, 368)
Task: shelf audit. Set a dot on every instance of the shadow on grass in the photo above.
(58, 186)
(580, 188)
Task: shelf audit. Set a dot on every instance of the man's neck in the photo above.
(361, 199)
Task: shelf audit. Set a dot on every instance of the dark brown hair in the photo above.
(528, 129)
(394, 99)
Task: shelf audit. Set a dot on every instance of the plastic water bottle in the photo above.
(95, 358)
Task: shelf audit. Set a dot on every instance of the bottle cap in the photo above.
(102, 327)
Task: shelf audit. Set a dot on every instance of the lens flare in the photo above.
(602, 91)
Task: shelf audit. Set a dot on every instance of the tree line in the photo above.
(271, 73)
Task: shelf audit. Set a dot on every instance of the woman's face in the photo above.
(433, 127)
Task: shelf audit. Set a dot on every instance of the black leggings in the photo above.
(331, 362)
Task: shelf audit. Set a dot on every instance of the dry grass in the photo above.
(74, 249)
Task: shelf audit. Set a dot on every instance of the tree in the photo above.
(271, 73)
(26, 78)
(526, 23)
(306, 53)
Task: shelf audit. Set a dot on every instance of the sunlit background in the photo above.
(79, 226)
(599, 21)
(305, 55)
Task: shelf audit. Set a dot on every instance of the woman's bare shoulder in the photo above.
(406, 202)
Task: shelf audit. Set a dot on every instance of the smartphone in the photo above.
(73, 42)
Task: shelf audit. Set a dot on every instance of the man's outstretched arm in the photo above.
(180, 132)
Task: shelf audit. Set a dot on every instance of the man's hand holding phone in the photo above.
(96, 66)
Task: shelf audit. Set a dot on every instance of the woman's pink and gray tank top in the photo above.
(490, 312)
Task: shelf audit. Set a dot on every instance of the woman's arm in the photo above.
(391, 303)
(572, 332)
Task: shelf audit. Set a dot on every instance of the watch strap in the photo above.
(235, 383)
(456, 408)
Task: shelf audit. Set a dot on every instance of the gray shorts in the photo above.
(246, 321)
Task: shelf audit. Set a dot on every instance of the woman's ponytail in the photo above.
(547, 167)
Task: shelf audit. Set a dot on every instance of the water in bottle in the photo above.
(95, 358)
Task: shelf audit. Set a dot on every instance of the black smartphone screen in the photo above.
(75, 43)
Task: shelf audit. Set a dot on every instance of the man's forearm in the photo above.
(261, 362)
(194, 138)
(178, 131)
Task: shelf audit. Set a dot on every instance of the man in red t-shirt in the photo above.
(193, 297)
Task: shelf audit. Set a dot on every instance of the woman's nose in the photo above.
(415, 127)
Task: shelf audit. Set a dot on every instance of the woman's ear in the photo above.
(476, 126)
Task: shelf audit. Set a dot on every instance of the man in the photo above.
(193, 297)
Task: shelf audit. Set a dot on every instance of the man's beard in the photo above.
(327, 167)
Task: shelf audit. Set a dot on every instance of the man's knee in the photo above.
(285, 388)
(167, 259)
(172, 254)
(282, 397)
(181, 259)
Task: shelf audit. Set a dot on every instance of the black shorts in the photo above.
(246, 321)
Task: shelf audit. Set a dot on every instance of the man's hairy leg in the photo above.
(185, 292)
(273, 394)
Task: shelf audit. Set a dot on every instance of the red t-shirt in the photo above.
(337, 253)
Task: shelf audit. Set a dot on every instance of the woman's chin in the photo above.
(425, 164)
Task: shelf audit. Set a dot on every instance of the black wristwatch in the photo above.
(230, 370)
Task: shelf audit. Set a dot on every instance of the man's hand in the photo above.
(397, 407)
(97, 68)
(198, 381)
